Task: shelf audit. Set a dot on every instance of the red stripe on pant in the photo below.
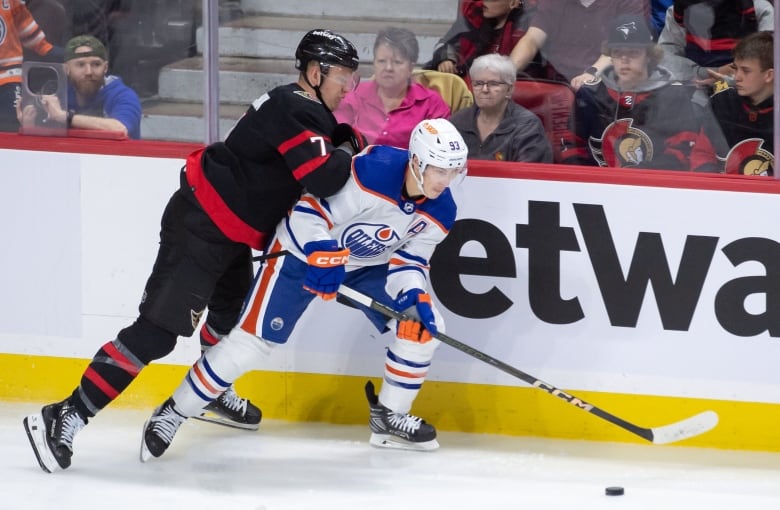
(101, 383)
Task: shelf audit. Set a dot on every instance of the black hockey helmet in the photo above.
(327, 48)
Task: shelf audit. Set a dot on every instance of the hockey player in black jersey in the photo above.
(635, 115)
(745, 111)
(232, 196)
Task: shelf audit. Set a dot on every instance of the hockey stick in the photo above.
(272, 255)
(684, 429)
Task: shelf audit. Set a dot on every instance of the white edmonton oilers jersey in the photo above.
(370, 216)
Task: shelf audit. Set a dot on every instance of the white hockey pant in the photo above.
(236, 354)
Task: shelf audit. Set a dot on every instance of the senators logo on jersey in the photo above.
(748, 157)
(621, 145)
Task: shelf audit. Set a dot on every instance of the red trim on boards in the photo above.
(627, 177)
(142, 148)
(535, 171)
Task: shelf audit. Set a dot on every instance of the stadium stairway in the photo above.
(256, 54)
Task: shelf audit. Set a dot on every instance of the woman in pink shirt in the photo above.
(387, 108)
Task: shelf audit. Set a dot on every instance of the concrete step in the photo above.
(278, 36)
(241, 79)
(423, 10)
(256, 54)
(182, 121)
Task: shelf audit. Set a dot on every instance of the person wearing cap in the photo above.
(634, 114)
(96, 100)
(231, 197)
(568, 34)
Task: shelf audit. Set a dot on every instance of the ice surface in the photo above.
(319, 466)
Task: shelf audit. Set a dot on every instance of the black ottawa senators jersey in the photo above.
(655, 127)
(279, 147)
(747, 129)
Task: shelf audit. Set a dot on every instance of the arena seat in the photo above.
(552, 102)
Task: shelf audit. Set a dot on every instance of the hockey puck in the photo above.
(614, 491)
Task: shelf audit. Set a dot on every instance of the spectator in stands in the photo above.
(745, 111)
(18, 30)
(635, 115)
(569, 35)
(96, 100)
(51, 18)
(702, 34)
(658, 14)
(482, 27)
(386, 108)
(92, 17)
(496, 128)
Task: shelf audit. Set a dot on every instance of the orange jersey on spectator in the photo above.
(18, 30)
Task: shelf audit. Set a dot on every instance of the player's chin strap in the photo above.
(317, 87)
(677, 431)
(418, 179)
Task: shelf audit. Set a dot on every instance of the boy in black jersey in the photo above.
(745, 111)
(232, 195)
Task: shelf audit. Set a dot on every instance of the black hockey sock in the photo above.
(118, 363)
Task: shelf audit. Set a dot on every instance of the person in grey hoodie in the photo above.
(495, 127)
(635, 114)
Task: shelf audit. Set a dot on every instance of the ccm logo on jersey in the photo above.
(330, 260)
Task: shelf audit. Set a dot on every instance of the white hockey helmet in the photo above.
(437, 142)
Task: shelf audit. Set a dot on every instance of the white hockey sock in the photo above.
(217, 368)
(406, 365)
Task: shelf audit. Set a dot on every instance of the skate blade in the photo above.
(36, 433)
(209, 417)
(144, 455)
(396, 443)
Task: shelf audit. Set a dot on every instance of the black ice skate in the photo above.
(398, 430)
(232, 411)
(159, 430)
(51, 434)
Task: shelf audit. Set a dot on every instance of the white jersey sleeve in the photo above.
(372, 218)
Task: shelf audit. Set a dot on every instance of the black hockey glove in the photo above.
(345, 134)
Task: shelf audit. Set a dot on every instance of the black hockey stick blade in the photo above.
(272, 255)
(678, 431)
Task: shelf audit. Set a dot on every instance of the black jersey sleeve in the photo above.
(290, 125)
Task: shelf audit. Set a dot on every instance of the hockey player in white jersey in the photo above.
(376, 235)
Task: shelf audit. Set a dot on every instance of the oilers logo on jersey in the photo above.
(369, 240)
